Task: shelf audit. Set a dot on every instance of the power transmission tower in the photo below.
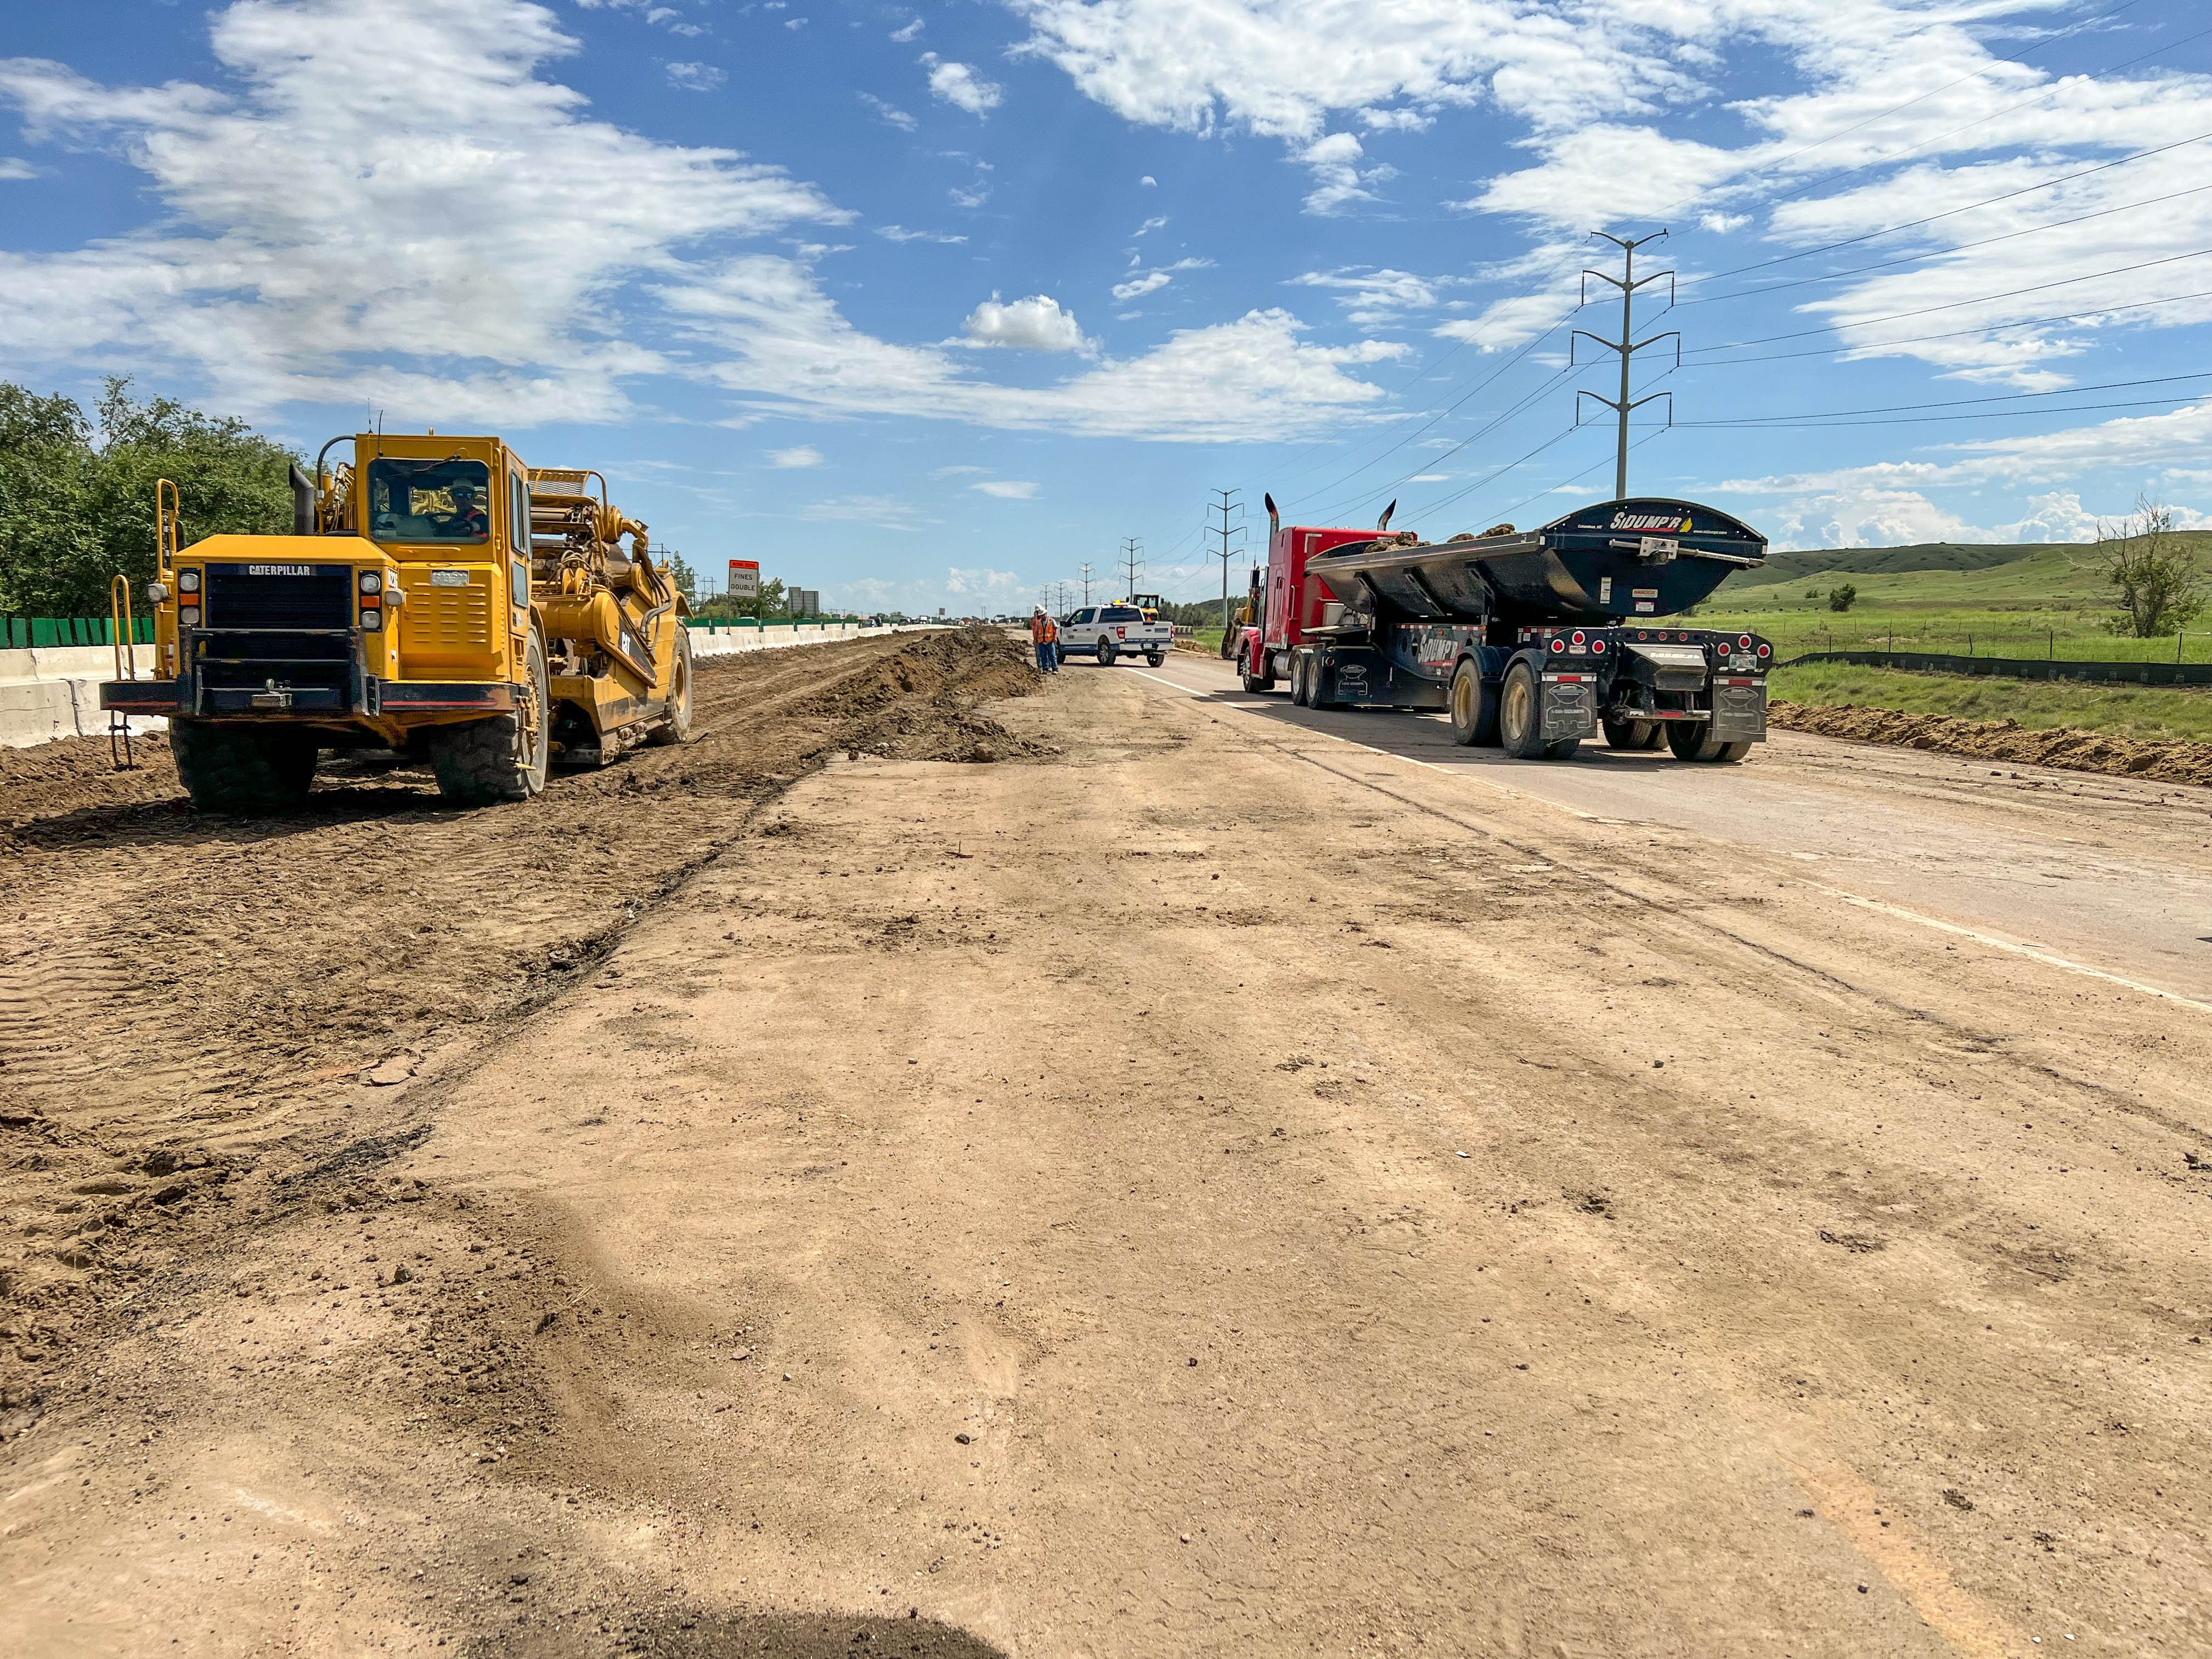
(1226, 551)
(1063, 596)
(1086, 584)
(1132, 561)
(1628, 346)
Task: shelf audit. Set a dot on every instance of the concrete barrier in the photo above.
(53, 691)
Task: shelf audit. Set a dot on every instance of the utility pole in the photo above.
(1086, 584)
(1132, 561)
(1628, 346)
(1224, 552)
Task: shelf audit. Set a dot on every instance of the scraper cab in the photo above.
(436, 597)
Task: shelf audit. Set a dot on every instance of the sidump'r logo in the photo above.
(1651, 521)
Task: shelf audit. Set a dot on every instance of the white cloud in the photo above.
(1339, 180)
(912, 29)
(901, 234)
(882, 512)
(764, 328)
(795, 23)
(1375, 296)
(1430, 477)
(1008, 489)
(1036, 324)
(803, 455)
(1152, 281)
(960, 86)
(15, 166)
(981, 584)
(1150, 225)
(1148, 182)
(890, 112)
(970, 198)
(271, 274)
(957, 471)
(695, 77)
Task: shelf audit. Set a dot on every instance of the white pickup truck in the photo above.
(1109, 631)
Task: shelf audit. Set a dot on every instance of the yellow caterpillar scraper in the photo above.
(435, 596)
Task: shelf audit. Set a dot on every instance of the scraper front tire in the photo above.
(505, 758)
(230, 768)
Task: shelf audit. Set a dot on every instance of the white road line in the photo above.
(2033, 952)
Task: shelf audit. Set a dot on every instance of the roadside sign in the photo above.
(744, 578)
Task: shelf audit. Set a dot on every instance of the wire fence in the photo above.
(2047, 644)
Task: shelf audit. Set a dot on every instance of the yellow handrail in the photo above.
(125, 629)
(168, 526)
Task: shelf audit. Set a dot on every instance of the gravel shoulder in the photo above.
(1186, 1186)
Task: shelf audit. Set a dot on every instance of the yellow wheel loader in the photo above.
(435, 596)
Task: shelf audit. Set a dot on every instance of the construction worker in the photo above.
(1044, 632)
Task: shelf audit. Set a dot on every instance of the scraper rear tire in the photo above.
(678, 727)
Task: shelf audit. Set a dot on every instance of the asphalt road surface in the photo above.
(2107, 872)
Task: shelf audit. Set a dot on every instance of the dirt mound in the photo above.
(74, 772)
(2001, 740)
(920, 703)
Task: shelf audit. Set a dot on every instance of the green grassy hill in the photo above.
(1797, 565)
(2044, 600)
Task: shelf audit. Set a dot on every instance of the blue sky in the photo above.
(926, 306)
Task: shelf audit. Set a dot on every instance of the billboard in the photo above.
(744, 578)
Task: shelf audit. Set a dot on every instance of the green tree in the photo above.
(76, 498)
(1842, 598)
(686, 579)
(2153, 571)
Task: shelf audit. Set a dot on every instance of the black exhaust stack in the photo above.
(1274, 519)
(1384, 523)
(303, 502)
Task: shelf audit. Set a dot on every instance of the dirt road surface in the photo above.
(1182, 1185)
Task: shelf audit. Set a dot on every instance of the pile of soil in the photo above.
(78, 772)
(2001, 740)
(922, 704)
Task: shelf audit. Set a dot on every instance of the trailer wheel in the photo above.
(1634, 734)
(1474, 706)
(1105, 653)
(1695, 743)
(505, 758)
(1154, 657)
(228, 769)
(1520, 712)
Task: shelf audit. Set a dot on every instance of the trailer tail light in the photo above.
(1597, 648)
(1559, 645)
(1744, 644)
(1581, 638)
(1765, 650)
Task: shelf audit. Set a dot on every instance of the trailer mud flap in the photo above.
(1739, 713)
(1570, 710)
